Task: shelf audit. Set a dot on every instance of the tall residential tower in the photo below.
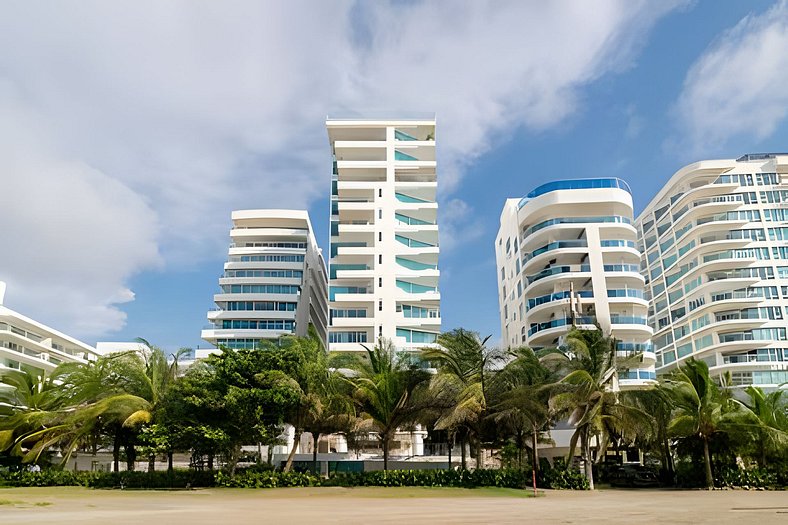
(566, 255)
(383, 267)
(715, 258)
(274, 281)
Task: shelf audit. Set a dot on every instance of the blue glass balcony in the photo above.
(555, 323)
(410, 221)
(558, 296)
(575, 243)
(415, 265)
(577, 220)
(412, 243)
(576, 184)
(401, 135)
(398, 155)
(409, 287)
(407, 198)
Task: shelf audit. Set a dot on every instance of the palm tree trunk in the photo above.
(479, 454)
(169, 462)
(707, 460)
(464, 462)
(291, 456)
(210, 462)
(385, 452)
(589, 468)
(116, 452)
(449, 443)
(151, 462)
(534, 439)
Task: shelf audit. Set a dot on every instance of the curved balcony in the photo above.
(558, 297)
(559, 323)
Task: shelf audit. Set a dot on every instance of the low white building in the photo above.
(26, 344)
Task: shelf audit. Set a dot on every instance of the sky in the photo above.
(129, 130)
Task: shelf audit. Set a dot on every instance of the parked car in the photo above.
(634, 476)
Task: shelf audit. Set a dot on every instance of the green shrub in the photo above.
(160, 479)
(45, 478)
(753, 477)
(257, 479)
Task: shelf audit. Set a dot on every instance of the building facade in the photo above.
(715, 260)
(383, 266)
(566, 255)
(274, 281)
(28, 345)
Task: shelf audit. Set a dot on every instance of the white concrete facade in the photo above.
(383, 267)
(566, 254)
(26, 344)
(274, 281)
(715, 258)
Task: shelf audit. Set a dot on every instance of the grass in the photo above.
(14, 502)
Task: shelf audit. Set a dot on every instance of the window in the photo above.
(380, 259)
(380, 306)
(347, 337)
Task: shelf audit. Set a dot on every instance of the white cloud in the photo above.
(738, 85)
(152, 120)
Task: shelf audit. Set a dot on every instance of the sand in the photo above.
(66, 505)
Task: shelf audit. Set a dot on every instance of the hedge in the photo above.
(255, 478)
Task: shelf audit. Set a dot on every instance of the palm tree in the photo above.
(464, 368)
(389, 391)
(702, 409)
(770, 419)
(520, 397)
(657, 403)
(307, 377)
(587, 391)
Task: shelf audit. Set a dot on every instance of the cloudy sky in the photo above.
(130, 129)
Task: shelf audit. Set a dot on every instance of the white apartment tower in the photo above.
(274, 281)
(715, 260)
(566, 255)
(383, 267)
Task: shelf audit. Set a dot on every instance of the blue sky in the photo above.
(135, 128)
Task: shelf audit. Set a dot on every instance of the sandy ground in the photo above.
(388, 505)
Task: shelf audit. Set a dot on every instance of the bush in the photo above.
(103, 480)
(160, 479)
(265, 479)
(753, 477)
(45, 478)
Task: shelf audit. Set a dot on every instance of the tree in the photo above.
(464, 367)
(769, 422)
(657, 403)
(520, 398)
(586, 392)
(702, 409)
(389, 391)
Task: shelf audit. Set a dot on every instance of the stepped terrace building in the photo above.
(383, 267)
(566, 255)
(274, 281)
(28, 345)
(715, 260)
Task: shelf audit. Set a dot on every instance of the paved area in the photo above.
(388, 505)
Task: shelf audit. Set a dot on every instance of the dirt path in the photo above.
(388, 505)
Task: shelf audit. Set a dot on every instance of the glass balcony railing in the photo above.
(556, 323)
(637, 374)
(627, 319)
(398, 155)
(577, 220)
(622, 268)
(412, 243)
(334, 290)
(558, 296)
(415, 265)
(410, 199)
(576, 184)
(409, 287)
(615, 243)
(556, 270)
(416, 312)
(628, 292)
(579, 243)
(411, 221)
(334, 268)
(401, 135)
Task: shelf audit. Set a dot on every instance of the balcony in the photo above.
(558, 296)
(579, 243)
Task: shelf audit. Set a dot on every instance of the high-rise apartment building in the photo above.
(566, 255)
(26, 344)
(715, 259)
(274, 281)
(383, 267)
